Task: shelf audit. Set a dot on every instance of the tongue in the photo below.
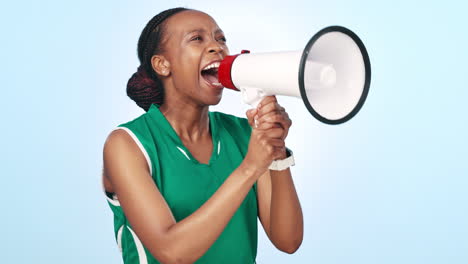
(211, 78)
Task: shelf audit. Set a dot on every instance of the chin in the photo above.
(214, 101)
(210, 95)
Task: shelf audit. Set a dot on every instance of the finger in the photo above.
(286, 125)
(285, 133)
(277, 143)
(250, 116)
(273, 133)
(286, 129)
(268, 125)
(268, 108)
(276, 117)
(266, 100)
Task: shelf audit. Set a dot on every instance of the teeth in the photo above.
(212, 65)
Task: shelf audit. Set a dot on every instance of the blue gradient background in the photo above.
(390, 186)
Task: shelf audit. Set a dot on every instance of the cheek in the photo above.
(187, 64)
(186, 74)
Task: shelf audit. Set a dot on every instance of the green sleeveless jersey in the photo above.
(187, 184)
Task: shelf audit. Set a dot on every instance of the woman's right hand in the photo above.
(266, 145)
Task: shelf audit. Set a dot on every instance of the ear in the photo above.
(161, 65)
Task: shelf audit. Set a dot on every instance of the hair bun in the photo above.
(144, 90)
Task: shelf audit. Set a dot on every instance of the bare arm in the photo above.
(148, 213)
(280, 211)
(279, 208)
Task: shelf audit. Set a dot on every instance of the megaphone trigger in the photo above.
(252, 96)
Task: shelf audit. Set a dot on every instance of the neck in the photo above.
(189, 120)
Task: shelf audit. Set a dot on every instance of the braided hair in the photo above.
(144, 87)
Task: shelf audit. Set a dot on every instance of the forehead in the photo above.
(188, 21)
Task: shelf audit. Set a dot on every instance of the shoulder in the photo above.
(125, 138)
(119, 141)
(121, 154)
(139, 129)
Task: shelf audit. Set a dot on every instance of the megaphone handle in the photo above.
(252, 96)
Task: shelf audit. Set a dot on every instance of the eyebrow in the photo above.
(203, 31)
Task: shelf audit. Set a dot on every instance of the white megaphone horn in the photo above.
(331, 75)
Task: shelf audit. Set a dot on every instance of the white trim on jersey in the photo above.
(119, 238)
(183, 152)
(219, 146)
(148, 160)
(140, 249)
(114, 201)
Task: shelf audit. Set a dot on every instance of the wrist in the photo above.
(284, 154)
(282, 164)
(250, 171)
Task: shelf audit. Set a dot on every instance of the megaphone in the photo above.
(331, 75)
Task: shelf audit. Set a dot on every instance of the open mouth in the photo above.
(210, 74)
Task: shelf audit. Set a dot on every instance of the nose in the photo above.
(215, 47)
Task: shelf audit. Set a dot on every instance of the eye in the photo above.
(196, 38)
(222, 39)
